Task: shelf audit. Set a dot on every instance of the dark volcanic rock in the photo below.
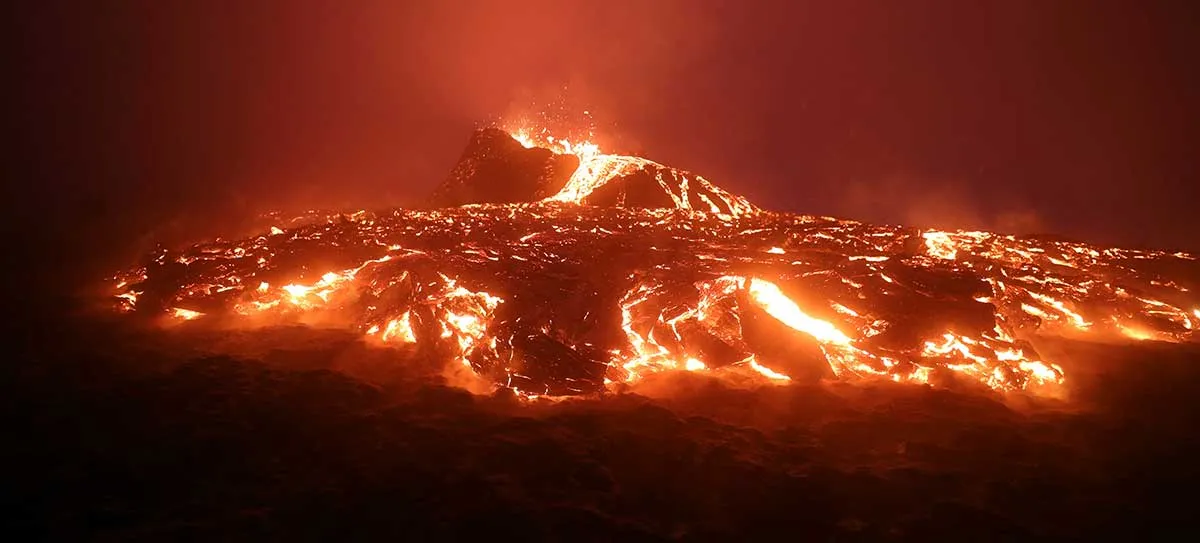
(638, 189)
(495, 168)
(653, 185)
(543, 364)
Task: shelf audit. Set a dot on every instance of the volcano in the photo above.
(552, 269)
(498, 167)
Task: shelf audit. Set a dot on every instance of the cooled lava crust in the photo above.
(580, 273)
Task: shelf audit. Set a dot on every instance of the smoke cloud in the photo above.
(932, 204)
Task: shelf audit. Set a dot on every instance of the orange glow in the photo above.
(185, 314)
(399, 330)
(597, 168)
(783, 308)
(939, 245)
(1136, 333)
(129, 299)
(768, 372)
(683, 279)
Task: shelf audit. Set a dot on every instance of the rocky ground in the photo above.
(116, 432)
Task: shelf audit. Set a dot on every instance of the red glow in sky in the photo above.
(1022, 116)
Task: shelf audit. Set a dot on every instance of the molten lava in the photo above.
(570, 289)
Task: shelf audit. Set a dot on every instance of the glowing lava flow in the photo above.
(783, 308)
(689, 192)
(561, 298)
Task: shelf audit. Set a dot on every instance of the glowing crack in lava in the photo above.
(597, 270)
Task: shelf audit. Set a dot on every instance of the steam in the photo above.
(927, 203)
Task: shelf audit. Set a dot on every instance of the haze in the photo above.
(1065, 118)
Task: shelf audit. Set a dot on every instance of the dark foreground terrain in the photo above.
(120, 433)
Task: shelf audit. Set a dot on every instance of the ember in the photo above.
(554, 269)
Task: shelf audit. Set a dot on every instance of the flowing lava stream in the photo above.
(560, 297)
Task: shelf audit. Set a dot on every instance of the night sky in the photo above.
(1073, 118)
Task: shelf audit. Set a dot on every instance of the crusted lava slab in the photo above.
(495, 168)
